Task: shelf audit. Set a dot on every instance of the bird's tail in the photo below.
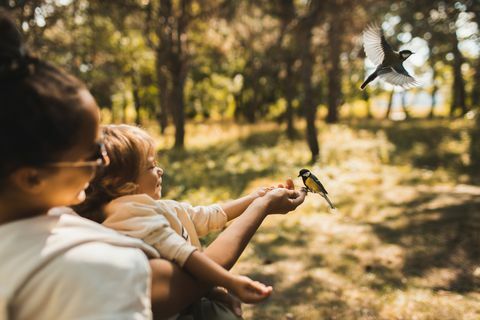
(330, 203)
(368, 80)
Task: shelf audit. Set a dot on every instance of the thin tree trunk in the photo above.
(136, 99)
(178, 74)
(309, 104)
(124, 108)
(334, 71)
(475, 8)
(179, 112)
(433, 93)
(404, 105)
(163, 107)
(476, 86)
(475, 145)
(458, 99)
(366, 98)
(390, 104)
(289, 93)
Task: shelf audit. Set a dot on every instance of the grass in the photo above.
(403, 244)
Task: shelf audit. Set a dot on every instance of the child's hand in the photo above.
(288, 184)
(282, 200)
(249, 291)
(221, 295)
(260, 192)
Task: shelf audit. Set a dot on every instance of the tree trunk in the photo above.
(475, 8)
(475, 145)
(334, 71)
(124, 108)
(289, 93)
(390, 104)
(476, 86)
(404, 105)
(309, 104)
(251, 106)
(136, 99)
(366, 98)
(434, 91)
(458, 99)
(162, 83)
(178, 111)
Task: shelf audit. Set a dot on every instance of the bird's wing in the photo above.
(398, 76)
(320, 185)
(375, 45)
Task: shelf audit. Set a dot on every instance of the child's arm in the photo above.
(239, 233)
(236, 207)
(173, 289)
(207, 270)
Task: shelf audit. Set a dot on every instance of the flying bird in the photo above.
(314, 185)
(389, 63)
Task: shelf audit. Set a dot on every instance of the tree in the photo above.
(305, 41)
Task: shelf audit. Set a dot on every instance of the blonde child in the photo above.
(125, 196)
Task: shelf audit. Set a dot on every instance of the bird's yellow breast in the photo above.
(310, 183)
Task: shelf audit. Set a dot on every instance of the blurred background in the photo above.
(242, 94)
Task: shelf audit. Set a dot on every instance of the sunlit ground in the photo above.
(403, 243)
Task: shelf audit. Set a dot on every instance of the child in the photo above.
(126, 196)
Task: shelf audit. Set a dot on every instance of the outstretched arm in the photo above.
(237, 235)
(236, 207)
(174, 289)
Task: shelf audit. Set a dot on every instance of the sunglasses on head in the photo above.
(99, 159)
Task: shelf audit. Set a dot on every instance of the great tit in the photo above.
(389, 62)
(314, 185)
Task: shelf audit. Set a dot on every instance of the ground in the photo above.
(403, 243)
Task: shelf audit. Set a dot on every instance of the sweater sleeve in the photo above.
(206, 218)
(147, 223)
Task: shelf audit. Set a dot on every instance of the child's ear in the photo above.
(29, 180)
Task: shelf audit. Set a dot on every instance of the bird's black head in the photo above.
(404, 54)
(304, 173)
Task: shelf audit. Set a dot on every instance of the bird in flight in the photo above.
(389, 63)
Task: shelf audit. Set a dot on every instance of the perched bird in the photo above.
(314, 185)
(389, 62)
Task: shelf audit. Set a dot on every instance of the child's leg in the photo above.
(207, 309)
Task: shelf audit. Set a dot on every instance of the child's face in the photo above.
(150, 179)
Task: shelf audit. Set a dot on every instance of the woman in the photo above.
(60, 266)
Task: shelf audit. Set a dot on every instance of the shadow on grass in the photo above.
(212, 167)
(442, 237)
(281, 241)
(422, 143)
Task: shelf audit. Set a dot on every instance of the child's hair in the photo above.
(128, 148)
(40, 106)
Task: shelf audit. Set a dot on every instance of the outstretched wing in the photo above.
(398, 76)
(375, 45)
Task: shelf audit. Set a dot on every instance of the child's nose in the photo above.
(159, 171)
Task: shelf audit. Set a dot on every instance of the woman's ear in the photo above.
(29, 180)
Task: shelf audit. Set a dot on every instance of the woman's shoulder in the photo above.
(92, 270)
(65, 250)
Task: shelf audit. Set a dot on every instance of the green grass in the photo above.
(403, 244)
